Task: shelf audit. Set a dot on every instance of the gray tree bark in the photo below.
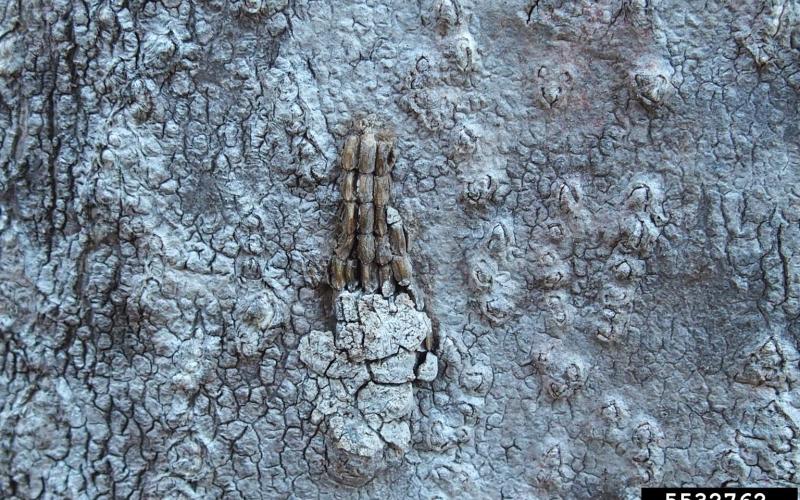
(591, 279)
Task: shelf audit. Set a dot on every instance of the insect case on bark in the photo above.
(371, 244)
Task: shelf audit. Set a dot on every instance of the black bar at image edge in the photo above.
(719, 494)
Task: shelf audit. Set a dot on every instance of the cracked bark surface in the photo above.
(598, 200)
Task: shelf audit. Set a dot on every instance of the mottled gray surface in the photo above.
(604, 216)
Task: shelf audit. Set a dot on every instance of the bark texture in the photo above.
(398, 249)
